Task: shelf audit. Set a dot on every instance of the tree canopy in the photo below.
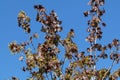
(44, 62)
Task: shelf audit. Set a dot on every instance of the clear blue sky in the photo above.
(69, 11)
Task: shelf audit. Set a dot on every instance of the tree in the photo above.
(44, 62)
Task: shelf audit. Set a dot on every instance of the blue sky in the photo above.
(71, 14)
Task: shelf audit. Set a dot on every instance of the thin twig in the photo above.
(47, 76)
(51, 75)
(63, 65)
(95, 56)
(108, 70)
(94, 66)
(74, 58)
(33, 46)
(31, 42)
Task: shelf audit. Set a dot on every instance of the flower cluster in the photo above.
(94, 28)
(51, 24)
(45, 57)
(23, 21)
(16, 48)
(98, 50)
(69, 45)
